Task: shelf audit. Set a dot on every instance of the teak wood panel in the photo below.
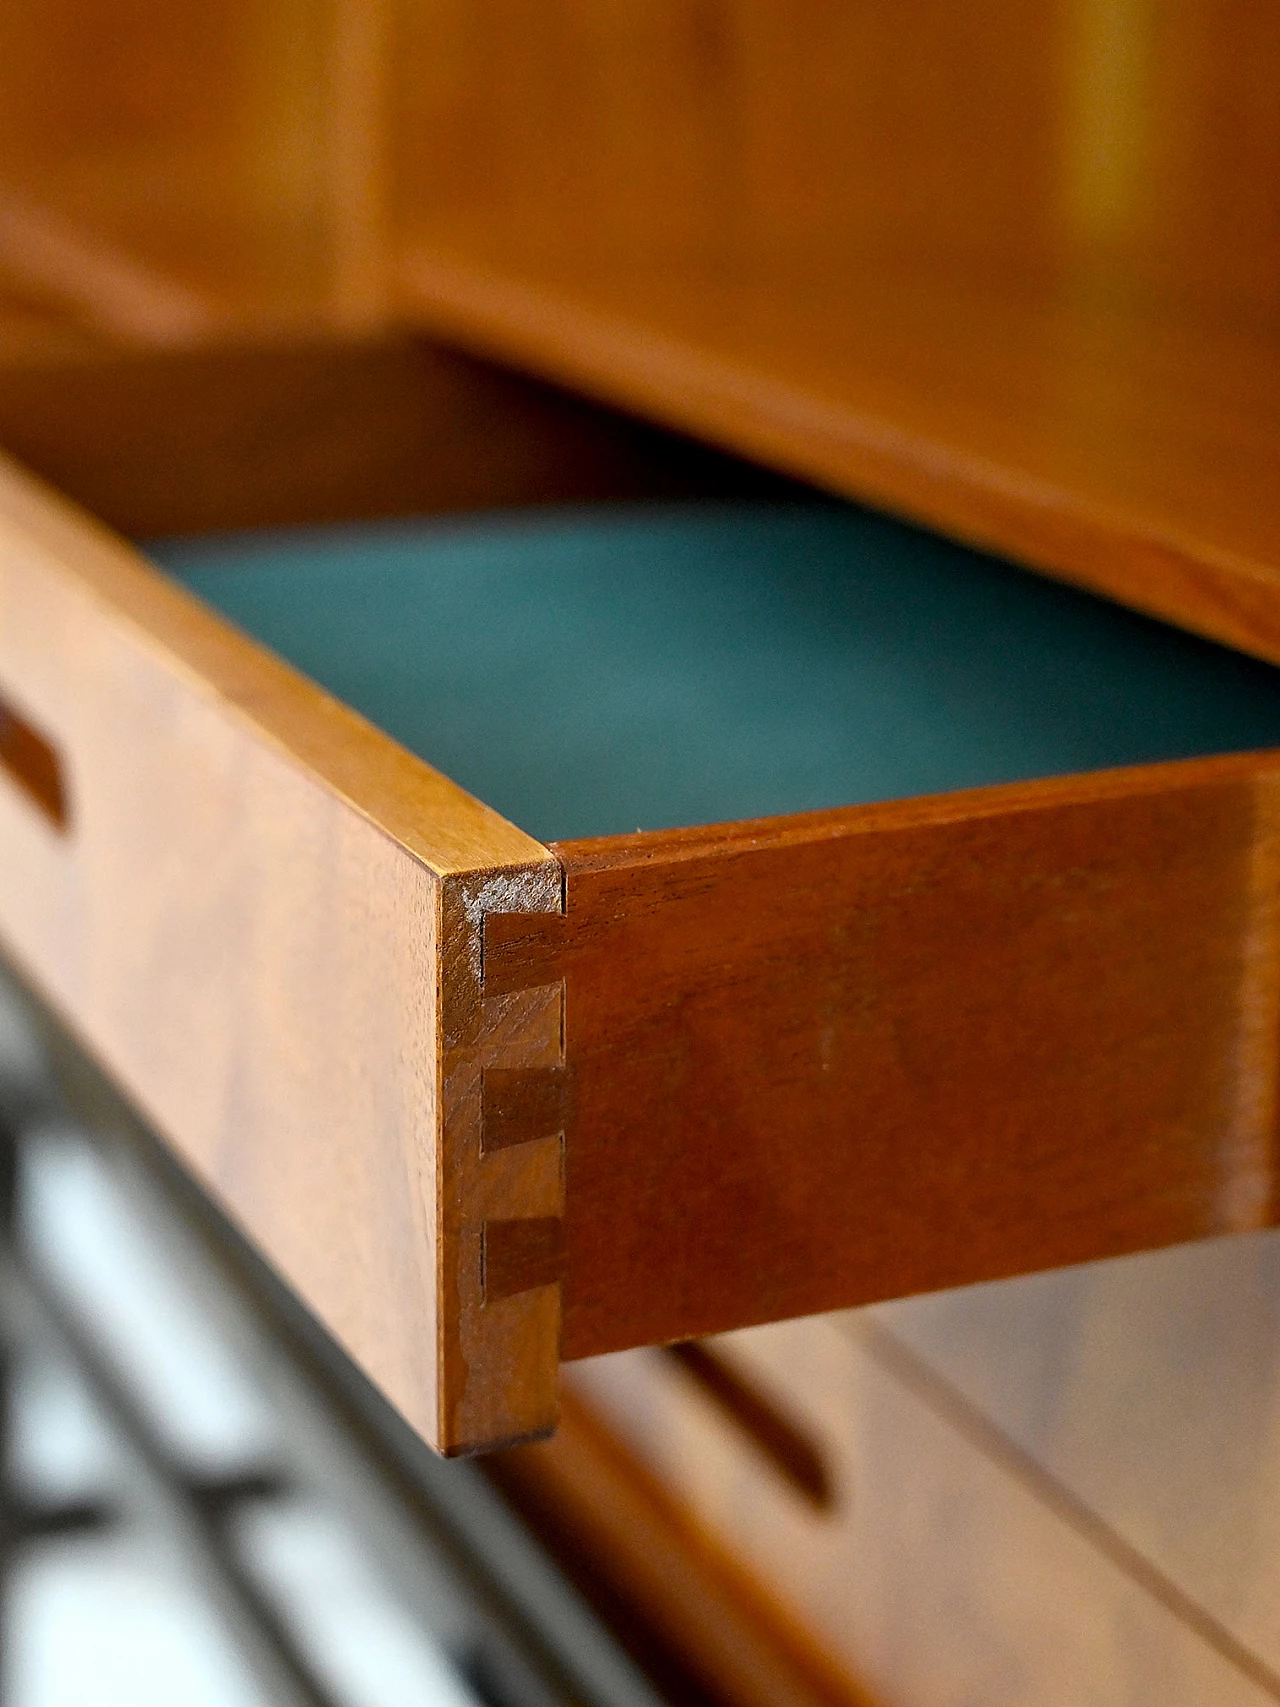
(1010, 271)
(264, 918)
(309, 429)
(818, 1061)
(201, 168)
(640, 1550)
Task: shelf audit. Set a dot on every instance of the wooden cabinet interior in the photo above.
(1011, 275)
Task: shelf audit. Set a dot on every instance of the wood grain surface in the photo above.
(953, 1567)
(190, 162)
(664, 1577)
(1010, 275)
(1007, 272)
(817, 1061)
(1140, 1395)
(37, 323)
(264, 918)
(312, 429)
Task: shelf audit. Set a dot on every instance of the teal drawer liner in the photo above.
(606, 668)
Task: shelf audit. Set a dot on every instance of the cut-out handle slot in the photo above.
(789, 1449)
(32, 762)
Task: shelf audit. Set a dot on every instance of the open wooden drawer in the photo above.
(489, 1101)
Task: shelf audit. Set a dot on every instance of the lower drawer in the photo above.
(1050, 1490)
(948, 997)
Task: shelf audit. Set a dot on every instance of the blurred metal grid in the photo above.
(186, 1514)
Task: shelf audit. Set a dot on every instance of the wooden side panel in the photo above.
(818, 1061)
(245, 913)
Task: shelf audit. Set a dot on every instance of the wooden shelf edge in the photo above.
(1058, 529)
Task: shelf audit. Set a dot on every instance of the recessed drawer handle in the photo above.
(791, 1452)
(32, 762)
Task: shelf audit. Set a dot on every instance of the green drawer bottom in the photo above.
(600, 669)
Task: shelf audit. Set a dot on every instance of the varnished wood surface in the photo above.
(1010, 273)
(1144, 1391)
(191, 152)
(37, 320)
(1131, 452)
(611, 1520)
(104, 286)
(310, 429)
(264, 918)
(1103, 145)
(954, 1567)
(816, 1061)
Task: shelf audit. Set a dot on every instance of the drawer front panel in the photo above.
(255, 910)
(943, 1570)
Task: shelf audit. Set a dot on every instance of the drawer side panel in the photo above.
(816, 1062)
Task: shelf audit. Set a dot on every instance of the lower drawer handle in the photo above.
(32, 762)
(792, 1453)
